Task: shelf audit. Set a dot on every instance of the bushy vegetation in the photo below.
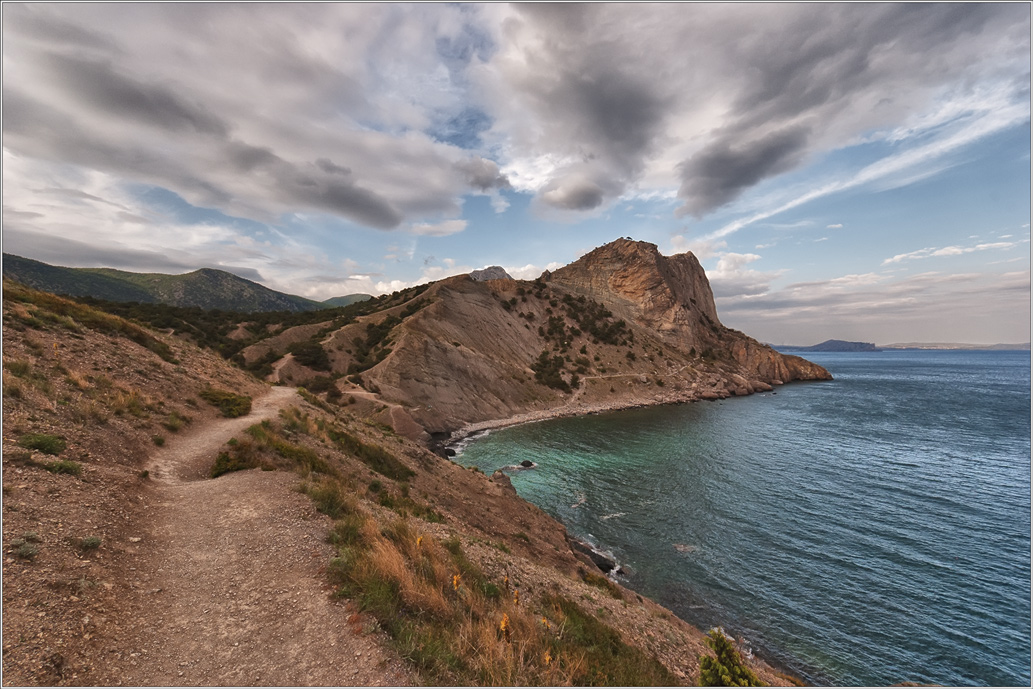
(727, 669)
(64, 466)
(47, 444)
(230, 404)
(548, 371)
(44, 310)
(310, 353)
(375, 457)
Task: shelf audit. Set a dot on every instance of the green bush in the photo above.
(727, 669)
(230, 404)
(90, 543)
(311, 354)
(226, 462)
(64, 466)
(47, 444)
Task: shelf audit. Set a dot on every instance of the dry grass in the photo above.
(458, 627)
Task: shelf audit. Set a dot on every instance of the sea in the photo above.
(865, 531)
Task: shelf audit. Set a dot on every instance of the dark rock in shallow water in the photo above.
(527, 464)
(449, 452)
(605, 564)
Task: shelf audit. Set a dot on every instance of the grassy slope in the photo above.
(206, 288)
(405, 521)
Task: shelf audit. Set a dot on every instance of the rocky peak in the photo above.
(490, 273)
(668, 293)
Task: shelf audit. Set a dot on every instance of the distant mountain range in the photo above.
(206, 288)
(831, 346)
(845, 346)
(1022, 346)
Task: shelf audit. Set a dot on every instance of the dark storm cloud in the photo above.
(573, 195)
(328, 166)
(821, 64)
(99, 85)
(482, 174)
(720, 172)
(24, 240)
(32, 22)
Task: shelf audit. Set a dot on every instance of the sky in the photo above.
(849, 171)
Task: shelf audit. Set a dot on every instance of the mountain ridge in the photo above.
(206, 288)
(622, 326)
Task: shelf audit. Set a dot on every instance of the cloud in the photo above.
(874, 308)
(950, 251)
(151, 104)
(441, 229)
(530, 271)
(701, 248)
(730, 277)
(718, 174)
(835, 226)
(575, 194)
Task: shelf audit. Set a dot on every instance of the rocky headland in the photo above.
(623, 326)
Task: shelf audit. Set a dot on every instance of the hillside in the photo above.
(832, 346)
(206, 288)
(114, 574)
(346, 300)
(623, 326)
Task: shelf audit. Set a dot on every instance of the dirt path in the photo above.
(228, 586)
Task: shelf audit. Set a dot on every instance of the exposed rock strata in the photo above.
(468, 352)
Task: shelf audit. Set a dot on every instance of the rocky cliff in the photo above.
(622, 326)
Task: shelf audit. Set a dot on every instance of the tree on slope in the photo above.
(728, 668)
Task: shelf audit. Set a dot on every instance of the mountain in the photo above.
(623, 326)
(1020, 347)
(832, 346)
(346, 300)
(206, 288)
(490, 273)
(114, 528)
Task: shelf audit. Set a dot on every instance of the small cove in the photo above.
(869, 530)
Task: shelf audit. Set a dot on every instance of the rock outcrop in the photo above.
(490, 273)
(622, 326)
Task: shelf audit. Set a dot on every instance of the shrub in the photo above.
(17, 367)
(90, 543)
(226, 462)
(64, 466)
(230, 404)
(727, 669)
(26, 551)
(376, 458)
(174, 422)
(47, 444)
(158, 440)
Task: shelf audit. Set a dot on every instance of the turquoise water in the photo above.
(869, 530)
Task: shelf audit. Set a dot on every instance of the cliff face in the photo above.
(669, 294)
(622, 326)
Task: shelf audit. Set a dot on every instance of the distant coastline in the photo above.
(847, 346)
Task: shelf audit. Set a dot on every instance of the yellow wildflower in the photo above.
(548, 658)
(419, 540)
(545, 623)
(516, 596)
(504, 626)
(455, 581)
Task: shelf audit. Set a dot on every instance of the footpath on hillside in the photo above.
(228, 581)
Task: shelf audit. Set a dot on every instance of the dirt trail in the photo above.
(228, 587)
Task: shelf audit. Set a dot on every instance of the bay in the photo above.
(869, 530)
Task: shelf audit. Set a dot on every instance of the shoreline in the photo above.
(763, 654)
(568, 411)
